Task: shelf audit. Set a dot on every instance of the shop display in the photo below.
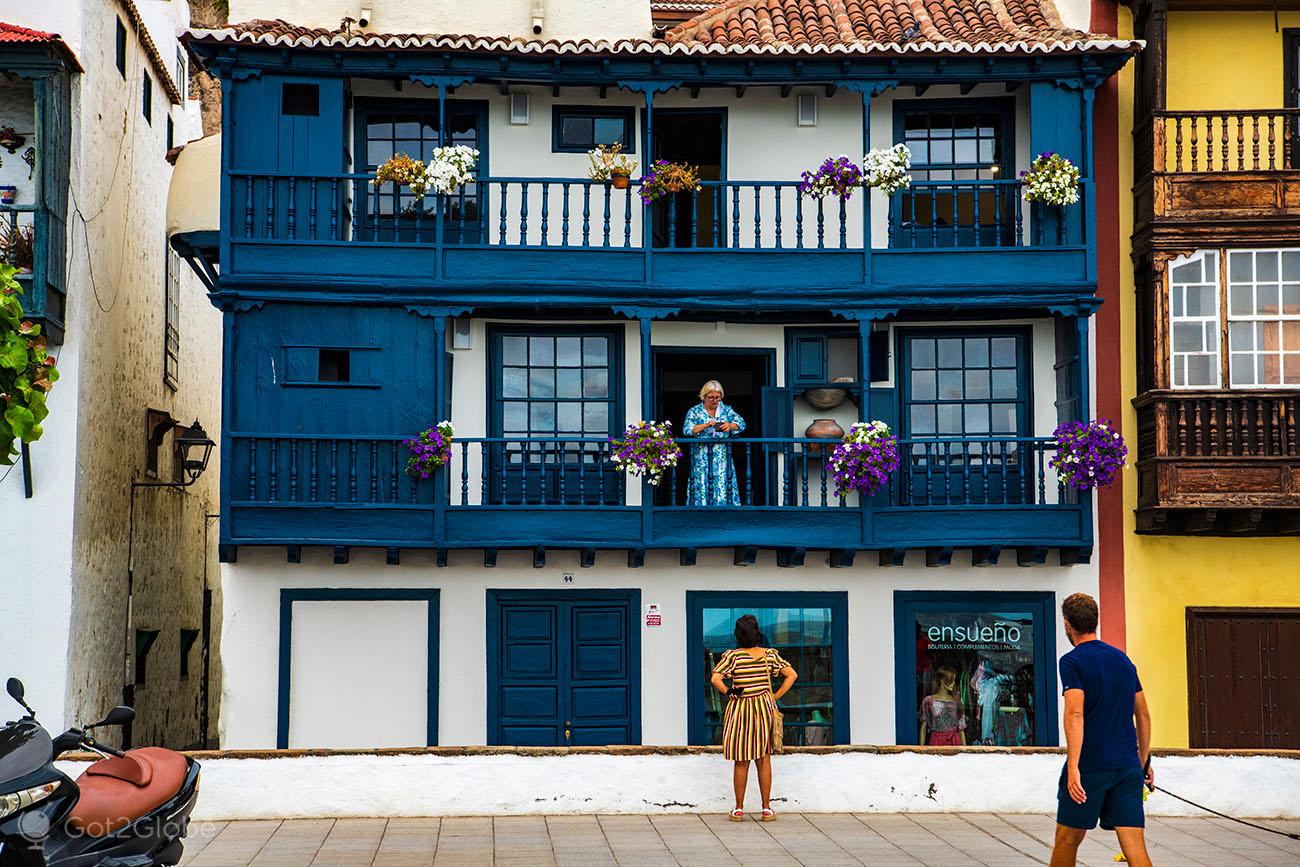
(975, 678)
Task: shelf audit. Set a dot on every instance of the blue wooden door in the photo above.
(563, 669)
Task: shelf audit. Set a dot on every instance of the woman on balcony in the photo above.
(750, 718)
(713, 474)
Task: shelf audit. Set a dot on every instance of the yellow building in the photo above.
(1211, 341)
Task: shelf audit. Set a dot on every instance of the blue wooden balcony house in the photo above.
(319, 272)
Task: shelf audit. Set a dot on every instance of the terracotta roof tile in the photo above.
(26, 35)
(971, 25)
(749, 27)
(151, 51)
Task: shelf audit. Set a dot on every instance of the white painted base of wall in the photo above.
(432, 785)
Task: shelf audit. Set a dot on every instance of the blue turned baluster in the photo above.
(627, 217)
(334, 470)
(293, 208)
(672, 219)
(694, 200)
(248, 207)
(546, 208)
(503, 212)
(523, 213)
(270, 209)
(311, 212)
(252, 468)
(798, 222)
(844, 225)
(313, 484)
(352, 471)
(293, 470)
(334, 209)
(586, 217)
(564, 215)
(821, 224)
(394, 472)
(735, 215)
(374, 471)
(777, 192)
(273, 473)
(758, 218)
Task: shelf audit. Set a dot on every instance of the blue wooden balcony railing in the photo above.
(43, 292)
(566, 492)
(579, 213)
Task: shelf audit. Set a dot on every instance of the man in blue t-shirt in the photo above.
(1106, 753)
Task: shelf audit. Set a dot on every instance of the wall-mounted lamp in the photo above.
(539, 16)
(462, 335)
(363, 18)
(519, 109)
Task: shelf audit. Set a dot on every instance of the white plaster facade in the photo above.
(64, 628)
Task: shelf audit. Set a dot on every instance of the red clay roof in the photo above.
(979, 24)
(750, 27)
(25, 35)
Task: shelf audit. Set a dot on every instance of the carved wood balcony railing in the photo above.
(1218, 176)
(1219, 450)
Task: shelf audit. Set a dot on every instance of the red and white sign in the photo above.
(653, 617)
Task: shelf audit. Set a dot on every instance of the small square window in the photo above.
(300, 100)
(578, 129)
(120, 47)
(335, 366)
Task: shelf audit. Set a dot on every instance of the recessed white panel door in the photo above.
(359, 674)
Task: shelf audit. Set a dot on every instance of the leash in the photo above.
(1217, 813)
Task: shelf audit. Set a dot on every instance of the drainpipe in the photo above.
(539, 16)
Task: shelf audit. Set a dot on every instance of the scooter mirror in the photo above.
(118, 716)
(14, 687)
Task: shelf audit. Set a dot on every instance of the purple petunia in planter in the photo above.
(838, 176)
(864, 459)
(430, 450)
(646, 449)
(1088, 454)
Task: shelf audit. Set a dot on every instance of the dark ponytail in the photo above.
(747, 632)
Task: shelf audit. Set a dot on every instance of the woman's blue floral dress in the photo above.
(713, 474)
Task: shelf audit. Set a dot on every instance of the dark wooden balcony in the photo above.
(983, 494)
(1218, 461)
(1217, 177)
(42, 279)
(586, 241)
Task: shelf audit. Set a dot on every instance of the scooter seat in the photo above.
(116, 791)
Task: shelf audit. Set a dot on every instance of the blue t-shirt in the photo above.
(1109, 681)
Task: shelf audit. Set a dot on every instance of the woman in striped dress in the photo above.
(747, 725)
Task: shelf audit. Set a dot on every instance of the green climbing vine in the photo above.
(27, 371)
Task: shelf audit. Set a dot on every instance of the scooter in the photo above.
(130, 809)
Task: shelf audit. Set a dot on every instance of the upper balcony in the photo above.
(1209, 178)
(309, 113)
(35, 94)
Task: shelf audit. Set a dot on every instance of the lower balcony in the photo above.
(985, 494)
(1218, 462)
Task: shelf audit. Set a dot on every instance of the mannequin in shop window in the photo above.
(943, 720)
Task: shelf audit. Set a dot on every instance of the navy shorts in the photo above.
(1114, 799)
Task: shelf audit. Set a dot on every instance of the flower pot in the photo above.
(827, 398)
(619, 182)
(822, 429)
(673, 186)
(8, 194)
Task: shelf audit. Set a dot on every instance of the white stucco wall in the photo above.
(913, 782)
(70, 566)
(250, 639)
(596, 19)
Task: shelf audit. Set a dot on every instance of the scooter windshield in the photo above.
(24, 747)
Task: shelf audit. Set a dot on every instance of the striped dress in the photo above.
(747, 726)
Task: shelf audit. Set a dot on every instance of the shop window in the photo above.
(809, 630)
(578, 129)
(975, 669)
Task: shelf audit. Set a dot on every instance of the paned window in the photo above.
(962, 143)
(1264, 318)
(578, 129)
(975, 669)
(172, 319)
(808, 630)
(562, 390)
(182, 75)
(1194, 321)
(389, 127)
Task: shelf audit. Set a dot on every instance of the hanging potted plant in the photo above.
(430, 450)
(1088, 454)
(836, 175)
(646, 449)
(609, 164)
(1051, 180)
(886, 169)
(403, 171)
(864, 459)
(451, 168)
(665, 177)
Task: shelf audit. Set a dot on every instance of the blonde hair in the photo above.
(712, 385)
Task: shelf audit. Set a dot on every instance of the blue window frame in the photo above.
(965, 394)
(1001, 647)
(554, 384)
(289, 597)
(809, 629)
(386, 127)
(576, 129)
(960, 142)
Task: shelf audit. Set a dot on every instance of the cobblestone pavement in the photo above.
(816, 839)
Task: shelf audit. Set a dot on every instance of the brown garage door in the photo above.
(1244, 673)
